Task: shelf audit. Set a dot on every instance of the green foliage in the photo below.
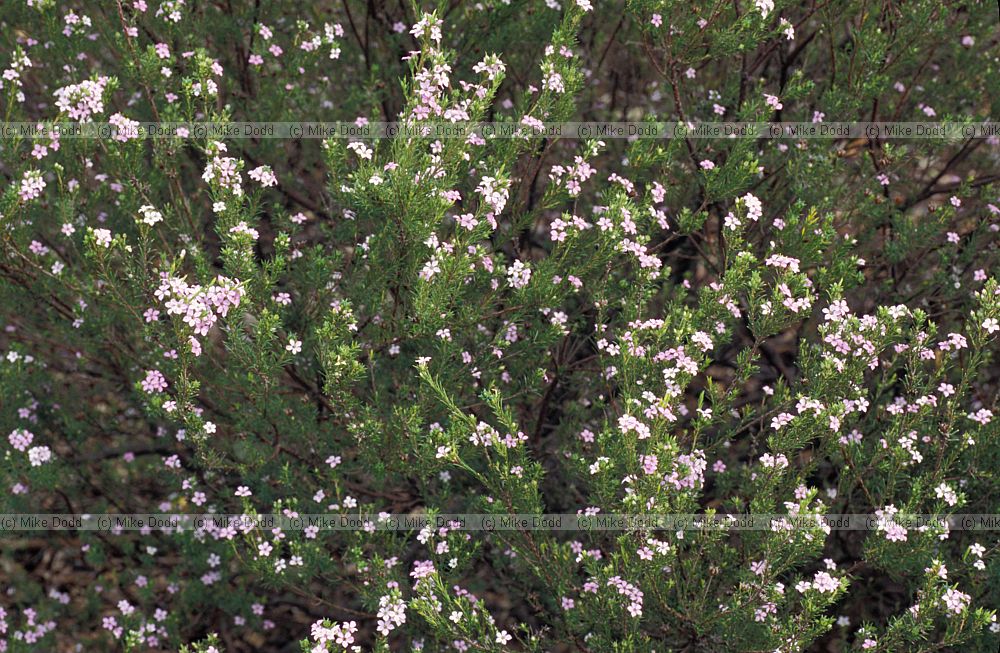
(425, 324)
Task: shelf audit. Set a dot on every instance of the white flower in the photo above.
(945, 492)
(360, 149)
(102, 237)
(956, 601)
(755, 208)
(495, 192)
(39, 455)
(519, 274)
(244, 228)
(764, 7)
(824, 582)
(149, 215)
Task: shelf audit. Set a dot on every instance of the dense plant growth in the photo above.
(499, 325)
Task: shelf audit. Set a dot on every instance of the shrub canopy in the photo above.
(211, 322)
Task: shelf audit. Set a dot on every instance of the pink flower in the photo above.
(20, 439)
(126, 129)
(264, 176)
(154, 382)
(955, 601)
(80, 102)
(823, 582)
(31, 186)
(422, 569)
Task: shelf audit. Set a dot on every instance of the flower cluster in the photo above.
(84, 101)
(199, 307)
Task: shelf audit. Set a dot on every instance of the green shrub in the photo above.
(424, 326)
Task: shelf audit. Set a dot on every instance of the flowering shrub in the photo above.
(246, 325)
